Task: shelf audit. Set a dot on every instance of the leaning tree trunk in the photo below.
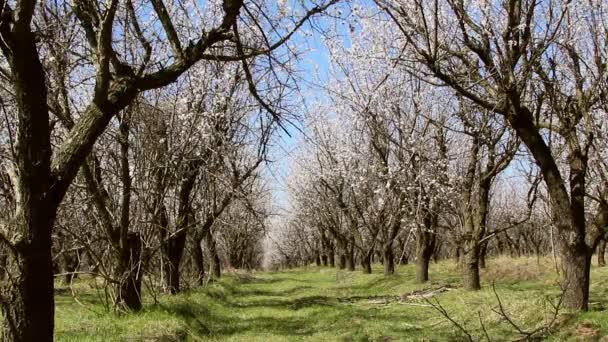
(129, 272)
(388, 257)
(601, 251)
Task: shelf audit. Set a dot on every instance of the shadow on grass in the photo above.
(204, 323)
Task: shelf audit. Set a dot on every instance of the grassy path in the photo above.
(322, 304)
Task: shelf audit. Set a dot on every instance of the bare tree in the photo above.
(532, 65)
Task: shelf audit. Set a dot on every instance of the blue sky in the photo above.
(314, 71)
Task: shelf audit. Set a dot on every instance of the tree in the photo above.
(535, 67)
(41, 174)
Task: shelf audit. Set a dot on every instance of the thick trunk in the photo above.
(576, 265)
(470, 266)
(324, 260)
(198, 260)
(332, 259)
(366, 263)
(28, 309)
(27, 298)
(129, 273)
(424, 251)
(388, 259)
(601, 251)
(317, 259)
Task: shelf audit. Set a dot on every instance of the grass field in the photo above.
(324, 304)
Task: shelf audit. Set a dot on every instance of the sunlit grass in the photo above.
(323, 304)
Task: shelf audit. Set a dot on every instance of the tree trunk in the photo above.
(29, 307)
(214, 259)
(483, 250)
(27, 298)
(130, 273)
(332, 259)
(173, 250)
(422, 269)
(350, 259)
(601, 251)
(437, 252)
(470, 266)
(324, 260)
(198, 260)
(389, 259)
(366, 263)
(70, 265)
(317, 259)
(342, 261)
(424, 251)
(576, 265)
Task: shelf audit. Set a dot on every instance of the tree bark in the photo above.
(601, 251)
(214, 259)
(130, 273)
(198, 260)
(173, 250)
(388, 257)
(28, 302)
(324, 260)
(29, 308)
(342, 261)
(470, 266)
(366, 262)
(70, 265)
(483, 250)
(424, 251)
(576, 265)
(350, 258)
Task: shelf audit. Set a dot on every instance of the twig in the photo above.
(439, 308)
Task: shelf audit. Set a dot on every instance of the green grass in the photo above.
(323, 304)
